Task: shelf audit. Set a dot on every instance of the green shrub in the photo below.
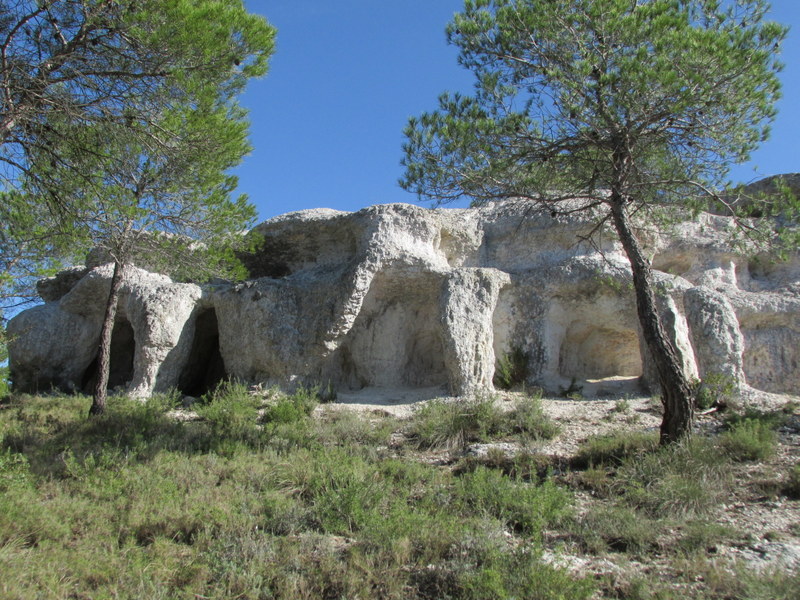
(772, 419)
(528, 418)
(4, 389)
(739, 580)
(680, 480)
(773, 584)
(166, 401)
(448, 424)
(287, 438)
(595, 479)
(288, 409)
(524, 466)
(348, 427)
(519, 574)
(612, 448)
(749, 440)
(14, 470)
(231, 413)
(616, 528)
(622, 406)
(736, 581)
(715, 389)
(698, 535)
(521, 506)
(511, 369)
(345, 493)
(792, 486)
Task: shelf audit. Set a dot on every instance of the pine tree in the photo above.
(120, 122)
(630, 107)
(118, 65)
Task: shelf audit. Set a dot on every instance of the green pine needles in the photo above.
(627, 110)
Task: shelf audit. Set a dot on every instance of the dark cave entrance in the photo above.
(205, 368)
(123, 348)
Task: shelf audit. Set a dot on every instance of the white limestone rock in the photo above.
(468, 305)
(401, 297)
(770, 326)
(52, 289)
(54, 345)
(50, 348)
(718, 342)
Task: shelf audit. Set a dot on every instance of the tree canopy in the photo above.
(685, 87)
(159, 197)
(626, 106)
(73, 72)
(162, 201)
(119, 123)
(97, 62)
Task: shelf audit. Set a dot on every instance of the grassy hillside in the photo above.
(266, 496)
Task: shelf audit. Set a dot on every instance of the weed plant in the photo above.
(231, 414)
(616, 528)
(736, 582)
(716, 389)
(137, 504)
(512, 369)
(529, 419)
(681, 480)
(749, 440)
(262, 499)
(454, 425)
(658, 498)
(792, 486)
(447, 424)
(622, 406)
(348, 428)
(611, 449)
(4, 388)
(523, 465)
(291, 409)
(770, 419)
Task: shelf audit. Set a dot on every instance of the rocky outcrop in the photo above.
(55, 344)
(719, 345)
(398, 296)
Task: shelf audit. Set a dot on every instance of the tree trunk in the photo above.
(676, 392)
(104, 352)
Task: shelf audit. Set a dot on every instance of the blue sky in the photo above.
(327, 120)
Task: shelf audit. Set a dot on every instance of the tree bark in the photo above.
(104, 352)
(677, 396)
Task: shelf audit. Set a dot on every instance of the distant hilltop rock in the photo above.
(398, 296)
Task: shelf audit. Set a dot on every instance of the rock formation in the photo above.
(398, 296)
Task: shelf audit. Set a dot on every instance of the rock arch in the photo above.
(396, 340)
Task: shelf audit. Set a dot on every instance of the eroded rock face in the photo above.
(718, 341)
(398, 296)
(55, 345)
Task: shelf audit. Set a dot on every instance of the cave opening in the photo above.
(396, 341)
(593, 351)
(205, 368)
(122, 351)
